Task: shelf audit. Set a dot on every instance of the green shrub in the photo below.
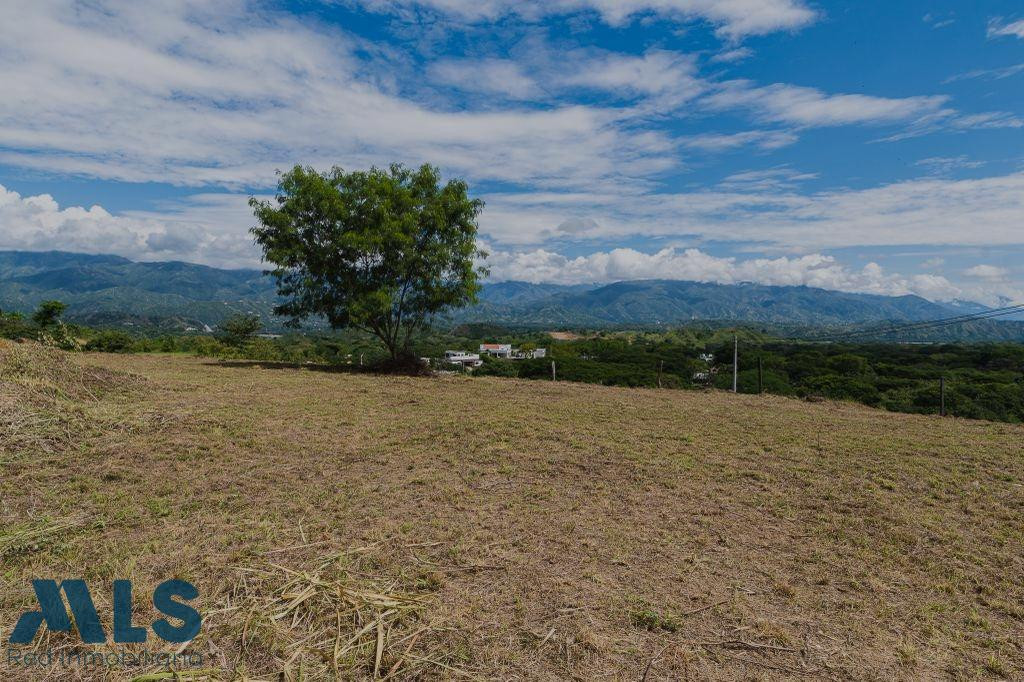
(111, 341)
(494, 367)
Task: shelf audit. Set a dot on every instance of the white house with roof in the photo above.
(497, 350)
(461, 357)
(505, 350)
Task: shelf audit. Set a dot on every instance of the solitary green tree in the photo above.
(378, 250)
(48, 313)
(238, 329)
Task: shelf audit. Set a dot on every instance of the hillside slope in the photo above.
(542, 530)
(646, 302)
(113, 291)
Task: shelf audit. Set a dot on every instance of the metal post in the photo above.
(661, 368)
(760, 375)
(942, 396)
(553, 377)
(735, 363)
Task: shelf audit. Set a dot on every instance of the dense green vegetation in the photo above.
(983, 381)
(384, 250)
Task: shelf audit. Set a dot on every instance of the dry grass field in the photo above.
(354, 526)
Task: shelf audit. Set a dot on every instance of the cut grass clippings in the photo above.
(353, 526)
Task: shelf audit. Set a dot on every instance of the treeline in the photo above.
(983, 381)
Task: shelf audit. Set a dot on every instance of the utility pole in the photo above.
(942, 396)
(735, 363)
(760, 375)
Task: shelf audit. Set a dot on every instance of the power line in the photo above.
(926, 324)
(918, 326)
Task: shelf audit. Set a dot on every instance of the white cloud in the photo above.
(501, 76)
(997, 27)
(937, 21)
(668, 78)
(942, 165)
(213, 229)
(987, 272)
(734, 55)
(196, 94)
(804, 106)
(173, 92)
(765, 207)
(734, 18)
(809, 107)
(770, 180)
(814, 270)
(209, 229)
(993, 74)
(656, 72)
(949, 120)
(716, 142)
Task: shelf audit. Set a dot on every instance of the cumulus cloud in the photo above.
(733, 18)
(814, 270)
(208, 229)
(213, 229)
(991, 273)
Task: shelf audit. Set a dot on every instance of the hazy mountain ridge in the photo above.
(114, 291)
(670, 301)
(110, 290)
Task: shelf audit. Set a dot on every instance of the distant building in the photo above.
(497, 350)
(505, 350)
(461, 357)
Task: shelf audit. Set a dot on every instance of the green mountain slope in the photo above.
(113, 291)
(110, 290)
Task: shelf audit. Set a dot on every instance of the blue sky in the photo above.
(858, 146)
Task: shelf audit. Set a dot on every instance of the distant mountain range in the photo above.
(107, 290)
(657, 302)
(110, 290)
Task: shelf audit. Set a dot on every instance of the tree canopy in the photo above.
(380, 250)
(238, 329)
(48, 313)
